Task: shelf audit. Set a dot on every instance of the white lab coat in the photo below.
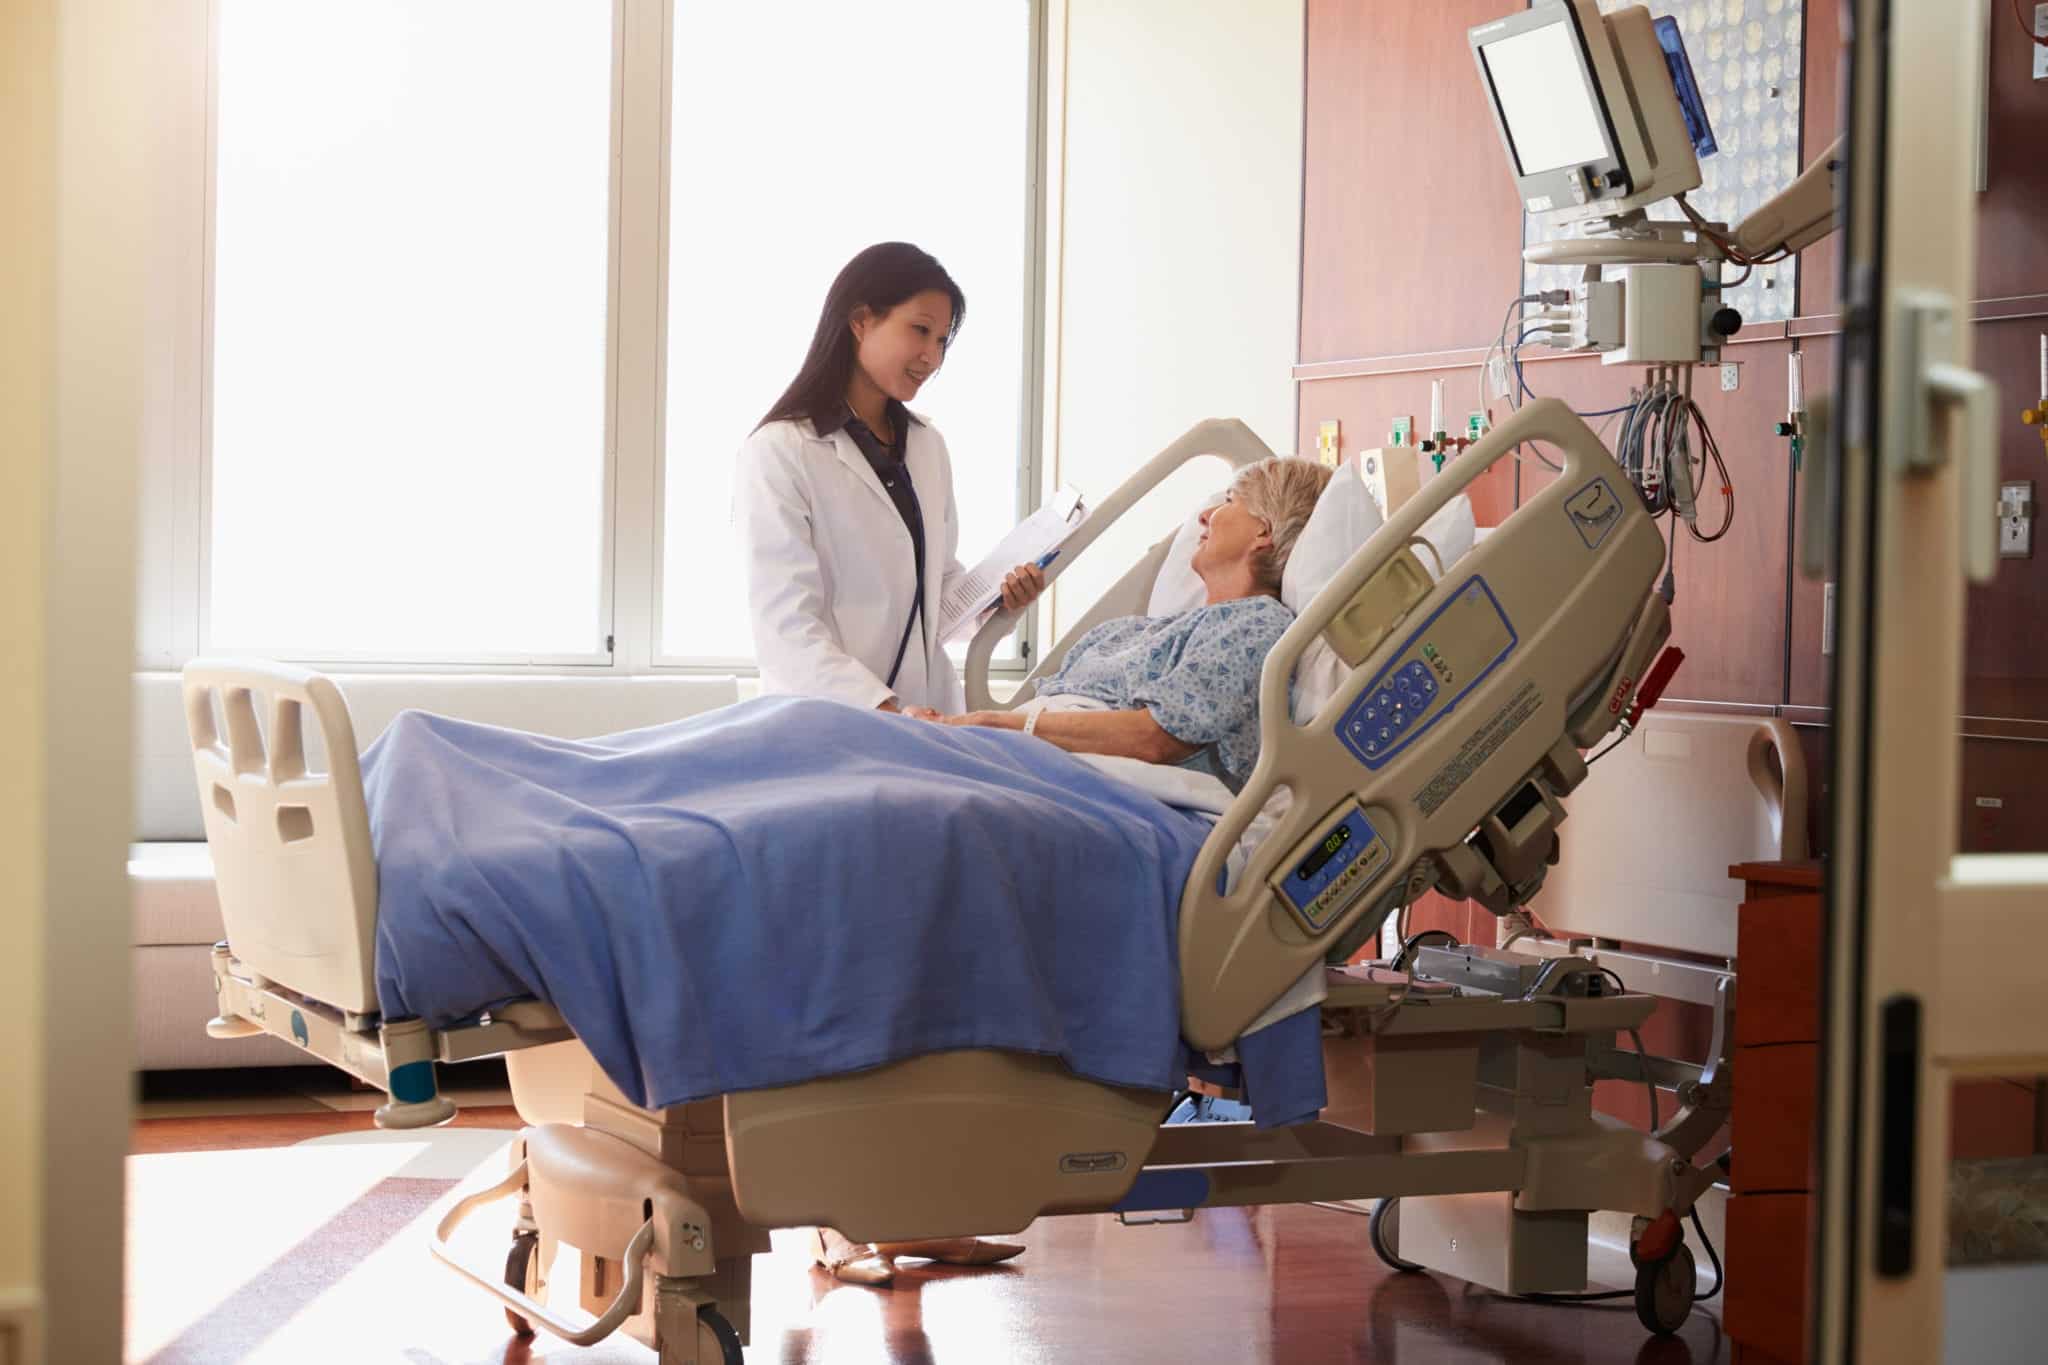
(829, 566)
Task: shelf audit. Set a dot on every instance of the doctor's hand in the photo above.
(1021, 586)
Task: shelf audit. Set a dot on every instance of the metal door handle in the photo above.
(1920, 374)
(1977, 397)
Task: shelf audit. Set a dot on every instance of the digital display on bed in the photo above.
(1340, 864)
(1337, 840)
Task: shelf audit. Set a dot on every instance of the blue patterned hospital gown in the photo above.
(1197, 673)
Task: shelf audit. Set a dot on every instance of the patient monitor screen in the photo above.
(1545, 99)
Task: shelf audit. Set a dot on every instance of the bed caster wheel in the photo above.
(1384, 1228)
(519, 1274)
(718, 1341)
(1665, 1289)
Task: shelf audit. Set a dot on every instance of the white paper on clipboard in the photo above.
(1033, 541)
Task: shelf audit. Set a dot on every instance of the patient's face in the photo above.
(901, 349)
(1229, 536)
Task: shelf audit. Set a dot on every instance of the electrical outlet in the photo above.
(2040, 52)
(2016, 519)
(1731, 375)
(1330, 442)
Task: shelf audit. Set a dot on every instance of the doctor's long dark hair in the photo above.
(881, 277)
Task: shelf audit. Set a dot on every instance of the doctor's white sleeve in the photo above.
(798, 649)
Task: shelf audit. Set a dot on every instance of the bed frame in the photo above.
(1469, 1100)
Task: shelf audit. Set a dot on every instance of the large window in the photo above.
(483, 274)
(802, 131)
(410, 260)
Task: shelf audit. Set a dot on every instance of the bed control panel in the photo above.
(1463, 640)
(1333, 869)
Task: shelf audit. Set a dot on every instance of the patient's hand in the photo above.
(922, 713)
(990, 720)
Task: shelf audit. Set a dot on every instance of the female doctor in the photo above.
(844, 500)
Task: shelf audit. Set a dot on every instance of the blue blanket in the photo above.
(783, 890)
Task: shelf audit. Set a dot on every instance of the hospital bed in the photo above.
(1442, 762)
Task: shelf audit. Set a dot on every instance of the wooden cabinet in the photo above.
(1779, 940)
(1777, 1050)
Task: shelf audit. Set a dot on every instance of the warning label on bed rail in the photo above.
(1480, 747)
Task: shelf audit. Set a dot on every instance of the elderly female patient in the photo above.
(1185, 689)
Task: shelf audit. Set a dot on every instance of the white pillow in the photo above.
(1451, 532)
(1345, 517)
(1178, 588)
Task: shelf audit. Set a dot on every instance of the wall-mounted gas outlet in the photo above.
(1330, 442)
(2040, 52)
(1731, 376)
(2016, 520)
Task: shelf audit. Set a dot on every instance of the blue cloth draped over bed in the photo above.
(787, 889)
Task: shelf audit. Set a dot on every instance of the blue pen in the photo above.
(1047, 558)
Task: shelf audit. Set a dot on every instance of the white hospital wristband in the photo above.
(1031, 722)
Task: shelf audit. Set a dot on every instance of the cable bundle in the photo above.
(1656, 449)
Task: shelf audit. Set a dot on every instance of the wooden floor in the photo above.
(299, 1236)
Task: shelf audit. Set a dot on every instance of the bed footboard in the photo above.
(396, 1057)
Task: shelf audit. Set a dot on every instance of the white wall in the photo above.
(1174, 196)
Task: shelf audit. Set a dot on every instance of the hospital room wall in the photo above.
(1411, 234)
(2005, 682)
(1174, 211)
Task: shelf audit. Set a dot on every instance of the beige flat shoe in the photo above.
(851, 1262)
(953, 1250)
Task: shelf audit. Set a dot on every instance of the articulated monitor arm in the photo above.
(1797, 216)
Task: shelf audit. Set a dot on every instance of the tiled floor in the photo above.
(297, 1233)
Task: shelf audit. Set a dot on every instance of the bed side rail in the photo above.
(291, 849)
(1541, 621)
(1224, 437)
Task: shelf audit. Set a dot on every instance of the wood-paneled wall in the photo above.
(1410, 233)
(1411, 236)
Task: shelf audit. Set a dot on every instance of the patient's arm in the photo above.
(1124, 734)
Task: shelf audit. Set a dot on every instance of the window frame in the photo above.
(176, 587)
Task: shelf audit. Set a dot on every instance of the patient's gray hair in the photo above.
(1280, 491)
